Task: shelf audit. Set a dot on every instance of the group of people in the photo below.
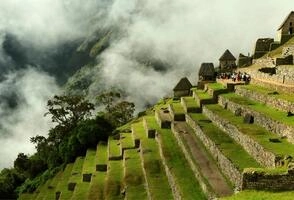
(235, 76)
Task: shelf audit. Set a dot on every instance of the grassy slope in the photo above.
(227, 145)
(156, 178)
(261, 195)
(185, 179)
(270, 112)
(266, 91)
(134, 178)
(258, 133)
(113, 181)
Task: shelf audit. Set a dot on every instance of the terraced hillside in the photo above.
(200, 147)
(227, 141)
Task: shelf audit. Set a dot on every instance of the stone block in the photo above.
(137, 143)
(57, 195)
(248, 119)
(71, 186)
(87, 177)
(151, 133)
(238, 112)
(101, 167)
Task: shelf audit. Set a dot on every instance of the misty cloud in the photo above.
(31, 89)
(155, 43)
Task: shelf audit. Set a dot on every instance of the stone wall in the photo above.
(261, 181)
(202, 102)
(288, 50)
(267, 84)
(160, 121)
(269, 100)
(257, 151)
(263, 120)
(288, 60)
(190, 109)
(265, 62)
(176, 116)
(223, 162)
(203, 183)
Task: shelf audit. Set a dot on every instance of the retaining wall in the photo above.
(268, 123)
(257, 151)
(223, 162)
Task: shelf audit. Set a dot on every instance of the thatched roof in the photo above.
(206, 69)
(285, 20)
(227, 56)
(183, 84)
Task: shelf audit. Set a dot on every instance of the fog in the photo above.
(181, 34)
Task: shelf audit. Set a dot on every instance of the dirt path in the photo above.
(207, 167)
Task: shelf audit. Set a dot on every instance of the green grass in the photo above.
(127, 141)
(139, 131)
(266, 91)
(97, 186)
(268, 171)
(134, 178)
(270, 112)
(101, 153)
(155, 173)
(114, 148)
(261, 195)
(278, 52)
(178, 108)
(89, 162)
(62, 185)
(75, 177)
(216, 86)
(43, 190)
(113, 181)
(50, 193)
(201, 94)
(256, 132)
(27, 196)
(190, 102)
(81, 191)
(178, 165)
(240, 158)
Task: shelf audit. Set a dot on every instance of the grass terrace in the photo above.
(267, 91)
(113, 181)
(114, 148)
(126, 140)
(178, 108)
(261, 195)
(89, 162)
(256, 132)
(156, 178)
(81, 191)
(43, 190)
(134, 177)
(275, 114)
(216, 86)
(178, 165)
(202, 94)
(101, 154)
(50, 194)
(62, 185)
(190, 102)
(226, 144)
(97, 186)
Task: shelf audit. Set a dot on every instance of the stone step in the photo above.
(204, 168)
(270, 97)
(273, 120)
(257, 141)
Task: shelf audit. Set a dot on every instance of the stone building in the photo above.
(286, 29)
(206, 72)
(227, 62)
(244, 61)
(262, 46)
(182, 88)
